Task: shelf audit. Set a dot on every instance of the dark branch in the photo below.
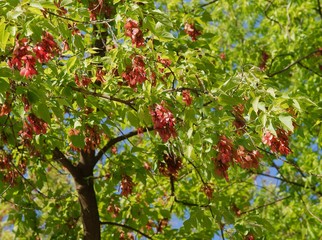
(194, 90)
(269, 18)
(127, 227)
(77, 21)
(194, 166)
(291, 64)
(172, 185)
(313, 188)
(265, 205)
(181, 201)
(60, 157)
(206, 4)
(319, 8)
(128, 102)
(309, 69)
(190, 204)
(113, 141)
(222, 232)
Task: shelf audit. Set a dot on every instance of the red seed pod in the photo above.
(163, 121)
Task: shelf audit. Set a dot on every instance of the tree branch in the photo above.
(312, 214)
(190, 204)
(309, 69)
(319, 8)
(206, 4)
(183, 202)
(269, 18)
(265, 205)
(113, 141)
(128, 102)
(127, 227)
(292, 64)
(222, 231)
(194, 90)
(77, 21)
(60, 157)
(290, 182)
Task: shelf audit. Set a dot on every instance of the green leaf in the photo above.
(4, 35)
(297, 105)
(43, 112)
(133, 119)
(228, 100)
(271, 91)
(190, 132)
(271, 128)
(189, 151)
(80, 100)
(14, 14)
(77, 124)
(71, 63)
(32, 96)
(78, 140)
(161, 17)
(287, 122)
(261, 106)
(149, 23)
(4, 85)
(6, 72)
(58, 113)
(144, 116)
(255, 104)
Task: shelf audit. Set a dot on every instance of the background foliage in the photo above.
(163, 93)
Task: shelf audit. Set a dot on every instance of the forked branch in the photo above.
(60, 157)
(113, 141)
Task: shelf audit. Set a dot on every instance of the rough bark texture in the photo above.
(90, 216)
(87, 196)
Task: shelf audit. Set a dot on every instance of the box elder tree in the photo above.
(160, 119)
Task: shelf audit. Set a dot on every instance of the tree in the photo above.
(160, 119)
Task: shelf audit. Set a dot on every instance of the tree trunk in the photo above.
(83, 177)
(87, 197)
(89, 209)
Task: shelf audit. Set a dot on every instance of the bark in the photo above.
(87, 197)
(83, 177)
(90, 216)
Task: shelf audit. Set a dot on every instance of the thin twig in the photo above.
(309, 69)
(191, 204)
(16, 205)
(204, 183)
(206, 4)
(307, 209)
(265, 205)
(181, 201)
(77, 21)
(271, 19)
(292, 64)
(28, 181)
(128, 102)
(195, 90)
(127, 227)
(313, 188)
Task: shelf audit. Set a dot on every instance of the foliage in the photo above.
(206, 113)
